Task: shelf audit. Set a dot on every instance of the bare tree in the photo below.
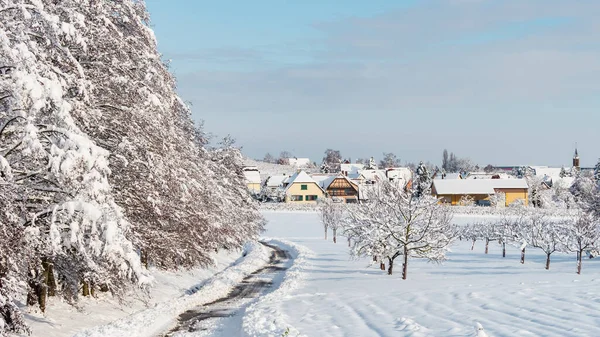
(269, 159)
(284, 158)
(389, 160)
(332, 160)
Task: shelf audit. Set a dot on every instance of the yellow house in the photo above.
(252, 177)
(301, 188)
(453, 190)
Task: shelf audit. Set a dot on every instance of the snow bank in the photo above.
(155, 320)
(265, 317)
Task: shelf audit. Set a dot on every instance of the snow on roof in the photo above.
(276, 180)
(351, 168)
(449, 176)
(320, 177)
(327, 182)
(373, 174)
(301, 178)
(552, 172)
(476, 186)
(252, 177)
(298, 162)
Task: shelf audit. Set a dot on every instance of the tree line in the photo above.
(102, 170)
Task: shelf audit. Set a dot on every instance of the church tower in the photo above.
(576, 160)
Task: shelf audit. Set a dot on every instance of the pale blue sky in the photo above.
(503, 82)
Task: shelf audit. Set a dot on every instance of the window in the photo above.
(303, 187)
(311, 197)
(296, 198)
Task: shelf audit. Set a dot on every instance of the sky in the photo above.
(503, 82)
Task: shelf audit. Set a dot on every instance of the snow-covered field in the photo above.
(325, 293)
(344, 297)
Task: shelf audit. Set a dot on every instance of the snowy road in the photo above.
(344, 297)
(223, 316)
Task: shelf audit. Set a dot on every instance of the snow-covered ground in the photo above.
(323, 292)
(62, 320)
(344, 297)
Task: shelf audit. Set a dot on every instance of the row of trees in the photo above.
(576, 233)
(102, 171)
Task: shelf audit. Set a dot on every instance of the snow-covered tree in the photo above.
(583, 233)
(597, 172)
(57, 176)
(100, 157)
(548, 235)
(396, 223)
(331, 214)
(422, 182)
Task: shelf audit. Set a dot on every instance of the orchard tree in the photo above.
(549, 236)
(331, 214)
(583, 233)
(397, 223)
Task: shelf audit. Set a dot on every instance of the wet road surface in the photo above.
(252, 286)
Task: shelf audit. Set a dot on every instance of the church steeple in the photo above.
(576, 160)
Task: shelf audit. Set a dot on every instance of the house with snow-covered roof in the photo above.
(252, 177)
(340, 187)
(454, 190)
(301, 188)
(275, 181)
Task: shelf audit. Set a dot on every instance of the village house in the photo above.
(252, 177)
(341, 188)
(480, 190)
(301, 188)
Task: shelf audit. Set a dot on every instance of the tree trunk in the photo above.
(579, 254)
(325, 233)
(390, 267)
(382, 265)
(374, 258)
(144, 258)
(503, 249)
(348, 242)
(31, 296)
(523, 256)
(51, 280)
(86, 288)
(473, 245)
(547, 261)
(487, 244)
(42, 289)
(334, 236)
(405, 264)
